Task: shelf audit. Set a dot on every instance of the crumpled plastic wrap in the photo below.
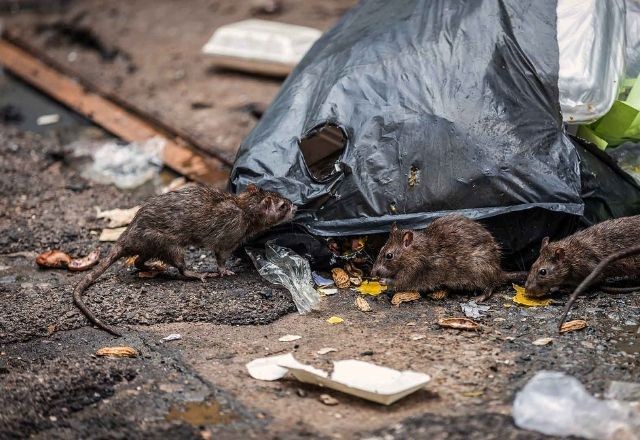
(282, 266)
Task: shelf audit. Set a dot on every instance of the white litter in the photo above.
(326, 291)
(555, 403)
(172, 337)
(117, 217)
(111, 234)
(289, 338)
(48, 119)
(325, 350)
(542, 341)
(268, 368)
(260, 46)
(473, 310)
(357, 378)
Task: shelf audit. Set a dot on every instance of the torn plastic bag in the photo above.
(284, 267)
(409, 110)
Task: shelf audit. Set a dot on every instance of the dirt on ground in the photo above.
(148, 53)
(55, 387)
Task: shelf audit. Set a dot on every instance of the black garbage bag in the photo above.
(408, 110)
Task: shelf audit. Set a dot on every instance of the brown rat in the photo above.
(453, 252)
(568, 261)
(195, 215)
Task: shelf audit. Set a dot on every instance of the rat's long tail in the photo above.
(515, 277)
(114, 254)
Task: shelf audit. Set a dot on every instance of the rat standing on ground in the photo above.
(196, 215)
(453, 253)
(568, 261)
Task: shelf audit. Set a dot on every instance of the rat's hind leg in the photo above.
(221, 258)
(486, 294)
(175, 257)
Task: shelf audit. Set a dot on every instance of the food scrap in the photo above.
(84, 263)
(340, 277)
(118, 352)
(362, 304)
(53, 259)
(335, 320)
(459, 323)
(571, 326)
(373, 288)
(401, 297)
(521, 298)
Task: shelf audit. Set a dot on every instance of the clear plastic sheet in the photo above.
(555, 403)
(282, 266)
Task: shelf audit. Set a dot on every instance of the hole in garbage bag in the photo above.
(321, 148)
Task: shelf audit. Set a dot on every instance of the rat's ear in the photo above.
(558, 254)
(266, 203)
(545, 242)
(251, 188)
(407, 238)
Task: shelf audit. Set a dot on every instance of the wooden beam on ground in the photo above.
(109, 115)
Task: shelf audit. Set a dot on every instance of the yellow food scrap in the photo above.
(439, 295)
(335, 320)
(373, 288)
(362, 304)
(117, 352)
(523, 300)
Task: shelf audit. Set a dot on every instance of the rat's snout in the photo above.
(379, 271)
(532, 289)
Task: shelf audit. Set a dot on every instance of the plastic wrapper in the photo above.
(555, 403)
(282, 266)
(126, 165)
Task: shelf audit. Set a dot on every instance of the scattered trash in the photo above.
(555, 403)
(117, 352)
(260, 46)
(51, 329)
(53, 259)
(289, 338)
(417, 337)
(126, 165)
(521, 298)
(439, 295)
(473, 310)
(172, 337)
(627, 391)
(111, 234)
(335, 320)
(326, 350)
(117, 217)
(477, 393)
(175, 184)
(328, 400)
(571, 326)
(320, 280)
(459, 323)
(543, 341)
(401, 297)
(341, 278)
(284, 267)
(327, 292)
(357, 378)
(268, 368)
(362, 304)
(48, 119)
(373, 288)
(85, 263)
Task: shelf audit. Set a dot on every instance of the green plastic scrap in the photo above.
(620, 124)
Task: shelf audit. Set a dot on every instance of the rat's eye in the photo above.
(283, 207)
(542, 272)
(389, 256)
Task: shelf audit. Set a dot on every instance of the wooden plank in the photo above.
(112, 117)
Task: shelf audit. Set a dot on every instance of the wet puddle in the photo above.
(629, 339)
(208, 412)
